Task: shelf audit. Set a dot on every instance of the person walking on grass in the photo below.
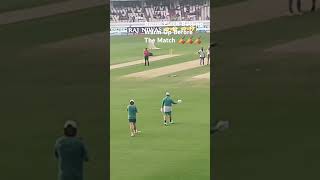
(71, 153)
(146, 54)
(166, 108)
(202, 56)
(132, 117)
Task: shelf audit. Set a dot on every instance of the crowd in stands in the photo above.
(127, 14)
(153, 13)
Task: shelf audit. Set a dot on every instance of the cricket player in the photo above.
(132, 117)
(71, 153)
(202, 55)
(146, 57)
(166, 108)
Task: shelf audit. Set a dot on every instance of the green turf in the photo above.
(273, 112)
(41, 90)
(11, 5)
(135, 46)
(179, 151)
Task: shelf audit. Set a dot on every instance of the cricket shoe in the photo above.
(171, 122)
(132, 134)
(137, 132)
(165, 124)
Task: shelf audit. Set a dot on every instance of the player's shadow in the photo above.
(176, 123)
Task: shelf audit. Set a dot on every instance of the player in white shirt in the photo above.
(202, 55)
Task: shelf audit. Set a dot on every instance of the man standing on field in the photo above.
(132, 117)
(146, 57)
(166, 108)
(202, 55)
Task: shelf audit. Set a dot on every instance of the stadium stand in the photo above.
(142, 11)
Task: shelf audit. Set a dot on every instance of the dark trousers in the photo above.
(146, 60)
(313, 5)
(202, 61)
(291, 5)
(313, 8)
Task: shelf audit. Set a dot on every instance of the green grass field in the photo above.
(41, 89)
(273, 112)
(180, 151)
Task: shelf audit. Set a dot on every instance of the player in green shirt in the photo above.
(132, 117)
(71, 153)
(166, 108)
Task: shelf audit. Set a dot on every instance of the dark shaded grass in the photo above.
(273, 112)
(11, 5)
(41, 91)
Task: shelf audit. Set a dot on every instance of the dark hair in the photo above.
(70, 131)
(131, 102)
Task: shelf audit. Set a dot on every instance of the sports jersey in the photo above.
(71, 153)
(132, 111)
(167, 101)
(202, 54)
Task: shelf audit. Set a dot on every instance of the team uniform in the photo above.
(132, 117)
(146, 57)
(71, 153)
(202, 56)
(167, 105)
(132, 113)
